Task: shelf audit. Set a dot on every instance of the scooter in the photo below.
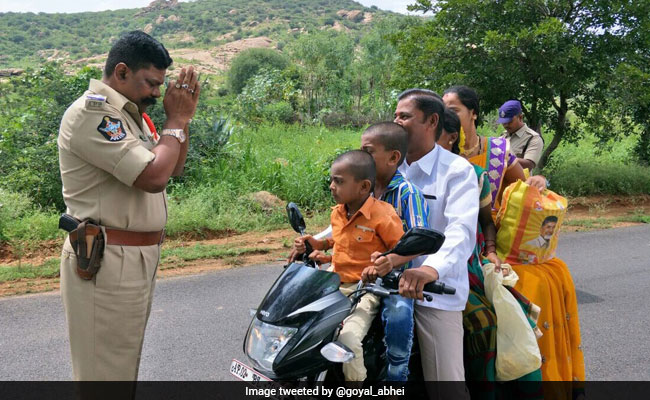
(292, 336)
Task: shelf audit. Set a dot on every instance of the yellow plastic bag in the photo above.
(517, 350)
(528, 224)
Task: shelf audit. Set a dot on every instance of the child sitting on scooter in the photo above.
(387, 143)
(361, 225)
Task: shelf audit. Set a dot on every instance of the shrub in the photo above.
(20, 220)
(597, 177)
(30, 112)
(268, 96)
(210, 134)
(280, 111)
(249, 62)
(13, 207)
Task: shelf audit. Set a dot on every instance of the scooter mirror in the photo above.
(418, 241)
(295, 218)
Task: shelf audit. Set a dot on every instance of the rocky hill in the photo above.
(207, 32)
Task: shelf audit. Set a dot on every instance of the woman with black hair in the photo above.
(479, 317)
(549, 284)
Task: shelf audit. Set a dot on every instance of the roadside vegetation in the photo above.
(276, 119)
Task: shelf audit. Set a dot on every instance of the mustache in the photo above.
(149, 101)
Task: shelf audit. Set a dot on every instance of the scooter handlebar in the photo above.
(439, 288)
(391, 281)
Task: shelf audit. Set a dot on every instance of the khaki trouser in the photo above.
(440, 335)
(107, 316)
(355, 328)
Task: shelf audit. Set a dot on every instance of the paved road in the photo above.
(198, 322)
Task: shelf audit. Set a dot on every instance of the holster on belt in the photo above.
(88, 241)
(88, 244)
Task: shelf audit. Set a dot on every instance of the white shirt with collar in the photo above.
(450, 187)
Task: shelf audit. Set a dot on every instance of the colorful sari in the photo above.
(549, 285)
(480, 324)
(495, 158)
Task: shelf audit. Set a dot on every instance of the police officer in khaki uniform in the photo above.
(525, 143)
(114, 173)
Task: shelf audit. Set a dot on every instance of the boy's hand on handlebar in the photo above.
(369, 274)
(383, 264)
(299, 243)
(293, 255)
(414, 279)
(320, 257)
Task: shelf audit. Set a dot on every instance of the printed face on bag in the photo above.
(548, 228)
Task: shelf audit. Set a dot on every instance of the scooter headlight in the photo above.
(265, 341)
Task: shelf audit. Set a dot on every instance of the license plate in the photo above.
(241, 371)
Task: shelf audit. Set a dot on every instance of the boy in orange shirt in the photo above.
(361, 225)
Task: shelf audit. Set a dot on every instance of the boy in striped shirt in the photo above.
(387, 143)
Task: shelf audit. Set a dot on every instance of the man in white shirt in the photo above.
(450, 187)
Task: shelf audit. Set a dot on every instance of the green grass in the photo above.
(200, 252)
(588, 168)
(289, 161)
(605, 222)
(49, 269)
(292, 162)
(599, 178)
(170, 258)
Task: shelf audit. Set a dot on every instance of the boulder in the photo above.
(157, 5)
(355, 16)
(11, 72)
(267, 201)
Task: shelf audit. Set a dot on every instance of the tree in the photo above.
(553, 55)
(376, 65)
(324, 58)
(249, 62)
(630, 86)
(31, 107)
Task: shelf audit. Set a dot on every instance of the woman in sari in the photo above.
(549, 284)
(479, 317)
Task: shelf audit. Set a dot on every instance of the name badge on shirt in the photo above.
(364, 228)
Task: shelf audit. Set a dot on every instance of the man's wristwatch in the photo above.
(177, 133)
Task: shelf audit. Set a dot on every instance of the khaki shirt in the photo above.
(104, 145)
(527, 144)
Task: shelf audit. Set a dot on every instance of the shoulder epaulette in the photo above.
(95, 102)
